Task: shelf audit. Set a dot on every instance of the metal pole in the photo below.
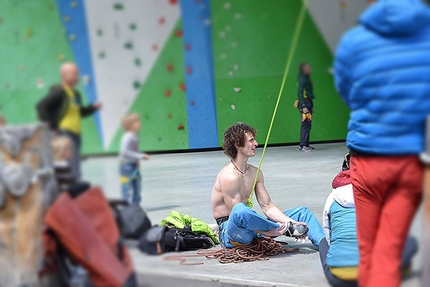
(425, 157)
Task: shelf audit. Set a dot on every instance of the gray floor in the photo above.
(183, 182)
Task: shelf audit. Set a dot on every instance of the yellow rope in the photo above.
(287, 68)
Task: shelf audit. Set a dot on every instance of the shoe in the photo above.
(311, 147)
(296, 230)
(305, 149)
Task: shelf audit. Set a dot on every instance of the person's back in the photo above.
(383, 74)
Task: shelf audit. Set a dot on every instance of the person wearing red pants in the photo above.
(382, 72)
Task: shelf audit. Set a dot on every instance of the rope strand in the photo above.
(287, 68)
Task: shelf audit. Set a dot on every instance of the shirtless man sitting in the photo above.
(238, 223)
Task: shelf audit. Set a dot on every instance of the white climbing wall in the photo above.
(126, 38)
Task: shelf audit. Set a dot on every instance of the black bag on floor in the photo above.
(160, 239)
(132, 220)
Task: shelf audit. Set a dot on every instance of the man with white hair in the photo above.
(62, 109)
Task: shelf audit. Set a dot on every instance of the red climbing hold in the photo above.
(187, 47)
(189, 70)
(182, 87)
(178, 33)
(169, 116)
(197, 1)
(181, 127)
(192, 103)
(161, 20)
(167, 93)
(154, 47)
(173, 2)
(169, 67)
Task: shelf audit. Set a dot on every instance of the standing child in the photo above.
(129, 158)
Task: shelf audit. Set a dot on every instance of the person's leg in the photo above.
(304, 132)
(74, 161)
(126, 171)
(303, 214)
(308, 134)
(402, 201)
(409, 251)
(240, 226)
(137, 188)
(368, 207)
(333, 280)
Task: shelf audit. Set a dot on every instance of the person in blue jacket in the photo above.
(339, 252)
(382, 72)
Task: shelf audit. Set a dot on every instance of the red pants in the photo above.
(387, 193)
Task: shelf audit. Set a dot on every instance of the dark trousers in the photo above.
(411, 248)
(75, 159)
(305, 131)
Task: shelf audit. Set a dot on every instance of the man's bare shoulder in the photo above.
(227, 174)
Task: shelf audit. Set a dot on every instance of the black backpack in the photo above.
(132, 220)
(160, 239)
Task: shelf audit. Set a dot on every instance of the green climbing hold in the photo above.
(118, 6)
(132, 26)
(102, 55)
(99, 32)
(136, 84)
(128, 45)
(137, 62)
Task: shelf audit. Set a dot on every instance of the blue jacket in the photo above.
(382, 72)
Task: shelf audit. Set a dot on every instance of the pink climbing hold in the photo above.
(192, 103)
(187, 47)
(173, 2)
(182, 87)
(189, 70)
(169, 116)
(154, 47)
(167, 93)
(181, 127)
(169, 67)
(161, 20)
(178, 33)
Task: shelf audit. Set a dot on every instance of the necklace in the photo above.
(235, 166)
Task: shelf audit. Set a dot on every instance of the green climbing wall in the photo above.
(251, 45)
(161, 102)
(33, 47)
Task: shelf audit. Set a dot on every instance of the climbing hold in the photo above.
(128, 45)
(223, 56)
(167, 93)
(182, 86)
(173, 2)
(85, 79)
(161, 21)
(220, 99)
(60, 57)
(207, 22)
(22, 67)
(136, 84)
(236, 67)
(181, 127)
(230, 73)
(169, 116)
(270, 96)
(66, 19)
(6, 86)
(238, 16)
(227, 5)
(132, 26)
(234, 44)
(29, 32)
(222, 34)
(102, 55)
(187, 47)
(330, 70)
(118, 6)
(233, 107)
(137, 62)
(72, 37)
(154, 47)
(74, 4)
(228, 28)
(197, 1)
(237, 89)
(189, 70)
(40, 83)
(99, 32)
(192, 103)
(178, 33)
(169, 67)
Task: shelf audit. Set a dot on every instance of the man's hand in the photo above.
(305, 110)
(98, 105)
(146, 157)
(276, 232)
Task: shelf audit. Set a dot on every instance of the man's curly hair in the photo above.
(235, 136)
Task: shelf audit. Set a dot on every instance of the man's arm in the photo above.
(266, 204)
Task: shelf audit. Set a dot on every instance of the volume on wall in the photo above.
(189, 68)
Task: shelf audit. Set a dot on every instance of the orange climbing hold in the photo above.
(178, 33)
(167, 93)
(181, 127)
(169, 67)
(182, 87)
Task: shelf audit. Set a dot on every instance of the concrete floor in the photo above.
(183, 182)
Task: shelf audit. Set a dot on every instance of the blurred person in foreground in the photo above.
(382, 72)
(62, 109)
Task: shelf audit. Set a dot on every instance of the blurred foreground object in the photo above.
(27, 187)
(425, 157)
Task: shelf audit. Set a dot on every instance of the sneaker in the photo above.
(305, 149)
(296, 230)
(311, 147)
